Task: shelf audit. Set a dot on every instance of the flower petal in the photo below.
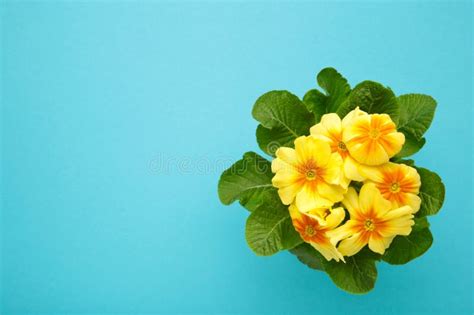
(413, 201)
(287, 155)
(332, 171)
(352, 245)
(330, 192)
(351, 169)
(328, 250)
(332, 123)
(312, 149)
(308, 199)
(351, 202)
(377, 243)
(335, 217)
(371, 199)
(286, 177)
(287, 194)
(351, 115)
(346, 230)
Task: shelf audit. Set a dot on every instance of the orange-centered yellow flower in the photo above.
(398, 183)
(372, 139)
(314, 232)
(309, 174)
(372, 221)
(330, 130)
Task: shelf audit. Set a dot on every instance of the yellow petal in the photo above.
(377, 243)
(308, 199)
(397, 213)
(397, 222)
(328, 250)
(310, 148)
(335, 217)
(287, 194)
(369, 152)
(413, 201)
(330, 192)
(344, 231)
(413, 177)
(331, 123)
(351, 169)
(351, 202)
(373, 173)
(294, 212)
(279, 164)
(319, 131)
(356, 128)
(332, 172)
(351, 115)
(286, 177)
(393, 143)
(371, 199)
(352, 245)
(287, 155)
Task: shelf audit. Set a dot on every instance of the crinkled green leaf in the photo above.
(408, 162)
(357, 275)
(416, 114)
(308, 256)
(269, 140)
(336, 91)
(371, 97)
(315, 101)
(247, 180)
(431, 192)
(281, 109)
(411, 146)
(269, 228)
(406, 248)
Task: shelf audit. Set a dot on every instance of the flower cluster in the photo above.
(344, 164)
(340, 193)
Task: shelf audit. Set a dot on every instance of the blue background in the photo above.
(117, 119)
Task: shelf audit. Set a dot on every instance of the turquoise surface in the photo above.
(117, 119)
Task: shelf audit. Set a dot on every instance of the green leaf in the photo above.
(269, 228)
(432, 192)
(411, 146)
(336, 87)
(269, 140)
(406, 248)
(420, 224)
(371, 97)
(408, 162)
(308, 256)
(247, 180)
(281, 109)
(315, 101)
(336, 91)
(416, 114)
(356, 275)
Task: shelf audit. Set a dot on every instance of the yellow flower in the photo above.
(330, 129)
(398, 183)
(314, 230)
(372, 139)
(372, 221)
(308, 174)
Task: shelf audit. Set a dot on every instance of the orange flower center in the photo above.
(369, 225)
(342, 146)
(310, 231)
(311, 174)
(374, 133)
(395, 187)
